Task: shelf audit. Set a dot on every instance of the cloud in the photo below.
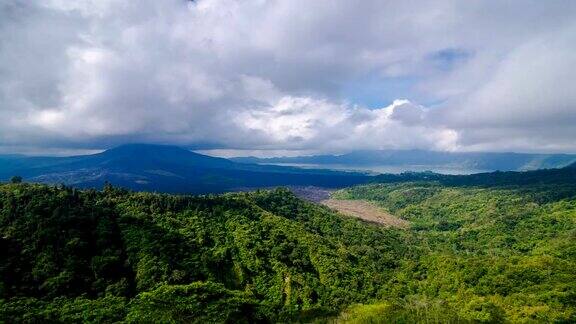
(526, 103)
(301, 123)
(276, 75)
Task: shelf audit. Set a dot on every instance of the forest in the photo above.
(474, 252)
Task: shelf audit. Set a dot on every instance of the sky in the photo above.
(288, 77)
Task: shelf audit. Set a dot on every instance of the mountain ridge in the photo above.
(488, 161)
(148, 167)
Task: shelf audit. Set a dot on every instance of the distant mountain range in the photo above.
(162, 168)
(421, 159)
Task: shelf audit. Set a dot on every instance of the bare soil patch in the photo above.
(365, 211)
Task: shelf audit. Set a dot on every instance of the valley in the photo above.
(287, 161)
(494, 247)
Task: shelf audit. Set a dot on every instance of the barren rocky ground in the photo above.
(366, 211)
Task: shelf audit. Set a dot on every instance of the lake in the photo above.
(378, 169)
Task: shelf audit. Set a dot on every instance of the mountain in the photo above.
(421, 159)
(164, 168)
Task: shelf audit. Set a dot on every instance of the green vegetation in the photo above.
(488, 254)
(472, 254)
(72, 256)
(16, 179)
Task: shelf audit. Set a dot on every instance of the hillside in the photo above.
(418, 160)
(164, 168)
(472, 253)
(108, 256)
(490, 254)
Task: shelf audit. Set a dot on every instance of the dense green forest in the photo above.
(108, 256)
(473, 254)
(498, 254)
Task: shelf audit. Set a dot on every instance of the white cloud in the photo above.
(307, 124)
(271, 75)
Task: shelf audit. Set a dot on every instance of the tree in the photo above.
(16, 179)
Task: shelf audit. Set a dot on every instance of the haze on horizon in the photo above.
(292, 77)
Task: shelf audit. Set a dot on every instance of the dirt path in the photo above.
(366, 211)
